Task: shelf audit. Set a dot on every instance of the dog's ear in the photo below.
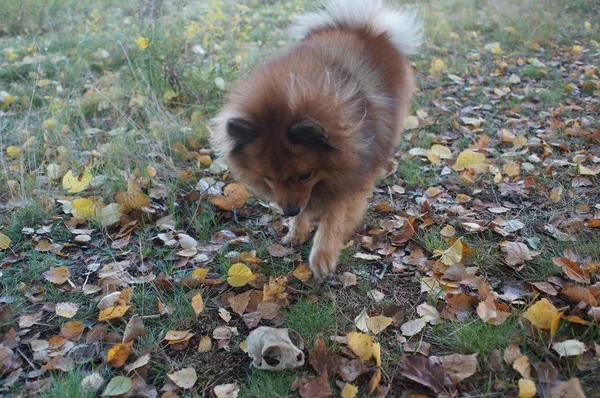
(242, 132)
(309, 133)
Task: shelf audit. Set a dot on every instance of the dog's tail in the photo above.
(403, 27)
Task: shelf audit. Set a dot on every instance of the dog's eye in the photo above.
(304, 177)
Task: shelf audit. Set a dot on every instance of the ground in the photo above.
(128, 255)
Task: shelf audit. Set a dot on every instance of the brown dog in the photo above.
(314, 126)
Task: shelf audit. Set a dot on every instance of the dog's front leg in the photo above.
(299, 230)
(338, 222)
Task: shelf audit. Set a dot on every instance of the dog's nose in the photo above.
(291, 211)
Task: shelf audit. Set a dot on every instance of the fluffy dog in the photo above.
(314, 126)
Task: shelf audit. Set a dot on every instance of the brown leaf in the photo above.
(268, 310)
(420, 369)
(511, 353)
(113, 312)
(516, 254)
(118, 354)
(302, 272)
(459, 367)
(140, 362)
(579, 293)
(572, 269)
(134, 329)
(239, 303)
(205, 344)
(322, 360)
(277, 250)
(318, 388)
(522, 366)
(234, 197)
(72, 330)
(134, 198)
(58, 275)
(198, 304)
(545, 287)
(374, 382)
(185, 378)
(348, 279)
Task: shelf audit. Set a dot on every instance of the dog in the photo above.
(313, 127)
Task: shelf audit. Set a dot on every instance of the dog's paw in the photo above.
(294, 239)
(322, 263)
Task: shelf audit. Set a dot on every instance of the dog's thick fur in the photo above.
(314, 126)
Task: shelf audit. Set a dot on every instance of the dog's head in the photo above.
(282, 162)
(291, 137)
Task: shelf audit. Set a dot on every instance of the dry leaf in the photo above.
(527, 388)
(361, 344)
(118, 385)
(118, 354)
(452, 255)
(116, 311)
(302, 273)
(239, 303)
(134, 329)
(140, 362)
(347, 278)
(413, 327)
(517, 253)
(58, 275)
(198, 304)
(66, 310)
(230, 390)
(277, 250)
(77, 184)
(459, 367)
(522, 366)
(318, 388)
(569, 348)
(83, 208)
(4, 242)
(185, 378)
(378, 324)
(134, 198)
(205, 344)
(349, 391)
(72, 330)
(224, 315)
(234, 197)
(470, 160)
(541, 314)
(572, 270)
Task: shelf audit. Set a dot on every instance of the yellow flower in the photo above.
(142, 43)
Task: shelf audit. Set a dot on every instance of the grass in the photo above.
(84, 94)
(310, 320)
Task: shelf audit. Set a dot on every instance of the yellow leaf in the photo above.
(234, 197)
(142, 43)
(4, 242)
(13, 151)
(198, 304)
(205, 344)
(118, 354)
(379, 323)
(109, 214)
(448, 231)
(49, 123)
(200, 273)
(377, 353)
(554, 324)
(239, 274)
(83, 208)
(361, 344)
(452, 255)
(470, 160)
(302, 272)
(526, 388)
(349, 391)
(77, 184)
(134, 198)
(58, 275)
(411, 122)
(511, 169)
(577, 48)
(440, 151)
(113, 312)
(496, 50)
(6, 98)
(587, 25)
(437, 65)
(541, 314)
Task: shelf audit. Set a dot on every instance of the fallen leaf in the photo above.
(569, 348)
(234, 197)
(239, 275)
(579, 294)
(133, 198)
(66, 310)
(140, 362)
(277, 250)
(224, 315)
(200, 273)
(205, 344)
(572, 269)
(92, 382)
(83, 208)
(4, 242)
(374, 382)
(349, 391)
(459, 367)
(413, 327)
(77, 184)
(429, 312)
(185, 378)
(134, 329)
(470, 160)
(378, 324)
(452, 255)
(420, 369)
(116, 311)
(318, 388)
(58, 275)
(348, 279)
(240, 302)
(527, 388)
(361, 344)
(541, 314)
(118, 385)
(198, 304)
(72, 330)
(230, 390)
(302, 273)
(118, 354)
(522, 366)
(516, 253)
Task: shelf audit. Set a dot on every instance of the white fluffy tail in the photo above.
(403, 27)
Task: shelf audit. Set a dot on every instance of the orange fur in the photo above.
(354, 89)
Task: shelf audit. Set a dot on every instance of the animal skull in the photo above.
(272, 349)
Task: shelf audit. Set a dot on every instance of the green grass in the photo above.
(475, 336)
(263, 383)
(309, 320)
(67, 385)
